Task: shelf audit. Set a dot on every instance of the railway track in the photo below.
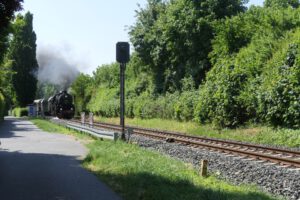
(283, 157)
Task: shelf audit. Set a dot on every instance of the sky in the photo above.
(85, 32)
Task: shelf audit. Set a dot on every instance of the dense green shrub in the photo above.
(279, 99)
(82, 91)
(105, 102)
(232, 93)
(2, 106)
(254, 74)
(20, 112)
(219, 100)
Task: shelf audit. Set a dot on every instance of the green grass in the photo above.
(255, 134)
(136, 173)
(50, 127)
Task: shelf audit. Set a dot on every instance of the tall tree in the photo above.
(148, 46)
(7, 10)
(174, 38)
(22, 53)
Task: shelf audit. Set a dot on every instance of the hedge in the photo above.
(2, 106)
(20, 112)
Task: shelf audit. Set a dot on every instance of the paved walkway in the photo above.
(35, 165)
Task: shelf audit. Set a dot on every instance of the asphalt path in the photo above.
(35, 165)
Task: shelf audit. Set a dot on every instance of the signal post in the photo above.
(123, 56)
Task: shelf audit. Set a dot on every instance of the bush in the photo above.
(20, 112)
(105, 102)
(219, 98)
(280, 90)
(252, 82)
(2, 106)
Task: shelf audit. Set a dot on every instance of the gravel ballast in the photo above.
(269, 177)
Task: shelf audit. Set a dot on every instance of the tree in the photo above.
(81, 89)
(22, 53)
(282, 3)
(174, 38)
(7, 10)
(149, 47)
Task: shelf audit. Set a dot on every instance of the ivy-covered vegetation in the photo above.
(208, 61)
(7, 10)
(20, 112)
(2, 106)
(18, 64)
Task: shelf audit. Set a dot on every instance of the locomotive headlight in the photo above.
(71, 108)
(60, 109)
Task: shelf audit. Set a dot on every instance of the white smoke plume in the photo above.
(56, 67)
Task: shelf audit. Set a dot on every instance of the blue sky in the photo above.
(84, 31)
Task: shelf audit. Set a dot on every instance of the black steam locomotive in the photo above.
(60, 105)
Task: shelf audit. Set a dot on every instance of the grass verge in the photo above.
(255, 134)
(136, 173)
(50, 127)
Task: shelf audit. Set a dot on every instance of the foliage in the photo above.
(196, 61)
(22, 54)
(231, 94)
(282, 3)
(20, 112)
(7, 10)
(46, 90)
(81, 90)
(105, 102)
(280, 91)
(2, 106)
(174, 38)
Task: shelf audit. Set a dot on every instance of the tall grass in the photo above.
(251, 133)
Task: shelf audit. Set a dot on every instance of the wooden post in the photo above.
(203, 168)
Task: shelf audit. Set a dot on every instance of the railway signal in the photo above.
(123, 56)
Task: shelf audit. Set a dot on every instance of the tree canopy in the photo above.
(7, 10)
(174, 38)
(209, 61)
(22, 57)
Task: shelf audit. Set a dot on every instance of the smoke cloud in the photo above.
(56, 67)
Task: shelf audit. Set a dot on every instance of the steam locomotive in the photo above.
(60, 105)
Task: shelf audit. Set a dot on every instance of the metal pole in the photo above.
(122, 99)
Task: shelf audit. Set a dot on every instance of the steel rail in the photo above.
(217, 144)
(275, 150)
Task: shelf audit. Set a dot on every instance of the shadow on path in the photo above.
(35, 165)
(44, 176)
(9, 126)
(147, 186)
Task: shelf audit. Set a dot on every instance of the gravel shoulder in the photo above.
(270, 178)
(38, 165)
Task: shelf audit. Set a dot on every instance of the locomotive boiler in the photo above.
(61, 105)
